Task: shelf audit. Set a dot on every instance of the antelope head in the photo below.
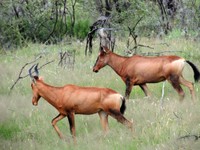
(102, 59)
(34, 78)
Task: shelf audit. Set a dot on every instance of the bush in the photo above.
(81, 29)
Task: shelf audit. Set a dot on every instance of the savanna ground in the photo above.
(24, 126)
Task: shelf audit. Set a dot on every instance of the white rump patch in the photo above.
(116, 97)
(179, 64)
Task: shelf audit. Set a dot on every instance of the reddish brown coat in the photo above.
(71, 99)
(139, 70)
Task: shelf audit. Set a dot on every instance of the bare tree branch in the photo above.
(56, 21)
(21, 77)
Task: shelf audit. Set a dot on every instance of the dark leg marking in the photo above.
(174, 80)
(120, 118)
(128, 88)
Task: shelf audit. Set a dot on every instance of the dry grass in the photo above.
(23, 126)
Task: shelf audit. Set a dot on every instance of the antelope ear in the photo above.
(105, 49)
(36, 77)
(101, 49)
(41, 78)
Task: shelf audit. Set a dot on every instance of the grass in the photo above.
(24, 126)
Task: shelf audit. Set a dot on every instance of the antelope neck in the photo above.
(116, 62)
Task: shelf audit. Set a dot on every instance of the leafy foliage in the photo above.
(81, 29)
(38, 22)
(8, 129)
(52, 21)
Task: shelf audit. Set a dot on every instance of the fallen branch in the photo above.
(145, 46)
(21, 77)
(176, 116)
(141, 46)
(195, 137)
(67, 59)
(158, 53)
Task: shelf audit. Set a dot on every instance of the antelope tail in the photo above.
(195, 70)
(123, 106)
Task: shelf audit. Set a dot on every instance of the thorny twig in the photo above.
(21, 77)
(134, 36)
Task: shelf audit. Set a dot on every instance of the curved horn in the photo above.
(30, 74)
(36, 70)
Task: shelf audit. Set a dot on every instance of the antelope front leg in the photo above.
(54, 121)
(71, 119)
(128, 88)
(145, 90)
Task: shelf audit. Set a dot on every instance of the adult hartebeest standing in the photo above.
(71, 99)
(139, 70)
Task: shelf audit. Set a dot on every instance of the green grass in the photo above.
(24, 126)
(8, 129)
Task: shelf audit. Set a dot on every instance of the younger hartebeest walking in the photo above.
(71, 99)
(139, 70)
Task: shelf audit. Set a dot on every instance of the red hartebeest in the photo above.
(139, 70)
(71, 99)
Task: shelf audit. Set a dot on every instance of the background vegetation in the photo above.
(23, 125)
(30, 29)
(52, 21)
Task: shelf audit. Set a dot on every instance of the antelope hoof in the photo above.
(35, 104)
(95, 71)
